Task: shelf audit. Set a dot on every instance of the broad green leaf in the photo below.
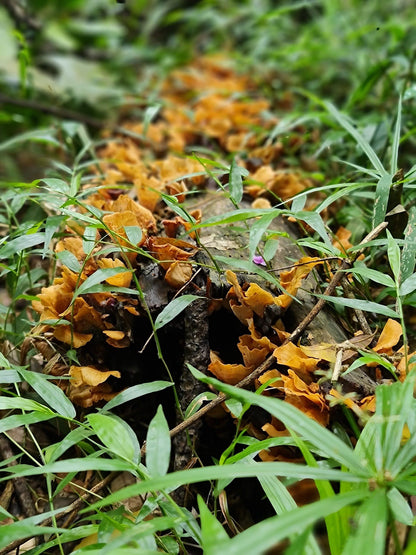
(294, 419)
(55, 184)
(134, 392)
(50, 393)
(22, 529)
(158, 445)
(367, 306)
(134, 233)
(257, 539)
(21, 243)
(211, 530)
(69, 260)
(371, 522)
(236, 181)
(393, 252)
(113, 435)
(381, 199)
(175, 307)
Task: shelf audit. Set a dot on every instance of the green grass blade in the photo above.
(371, 519)
(381, 199)
(409, 247)
(262, 536)
(134, 392)
(294, 419)
(396, 139)
(364, 145)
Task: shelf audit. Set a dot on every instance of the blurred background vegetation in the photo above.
(64, 62)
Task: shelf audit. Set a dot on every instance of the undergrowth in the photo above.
(340, 80)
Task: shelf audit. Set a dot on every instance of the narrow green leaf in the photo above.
(257, 230)
(113, 434)
(293, 418)
(50, 393)
(69, 260)
(95, 279)
(381, 199)
(134, 233)
(259, 538)
(134, 392)
(317, 224)
(236, 181)
(374, 275)
(393, 252)
(235, 216)
(72, 465)
(400, 507)
(172, 310)
(16, 420)
(409, 247)
(364, 145)
(367, 306)
(211, 530)
(46, 135)
(22, 403)
(88, 239)
(158, 445)
(371, 519)
(396, 139)
(21, 243)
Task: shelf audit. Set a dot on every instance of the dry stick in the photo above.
(359, 314)
(347, 263)
(20, 485)
(65, 113)
(77, 504)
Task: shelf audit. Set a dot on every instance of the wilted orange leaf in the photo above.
(178, 274)
(389, 337)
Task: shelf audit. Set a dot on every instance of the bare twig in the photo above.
(347, 263)
(20, 485)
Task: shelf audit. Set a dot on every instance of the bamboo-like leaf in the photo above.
(134, 392)
(364, 145)
(371, 519)
(50, 393)
(381, 199)
(158, 445)
(236, 181)
(367, 306)
(172, 310)
(114, 435)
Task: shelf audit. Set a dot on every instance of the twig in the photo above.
(65, 113)
(347, 263)
(20, 485)
(77, 504)
(358, 312)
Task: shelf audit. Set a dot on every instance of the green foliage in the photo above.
(86, 56)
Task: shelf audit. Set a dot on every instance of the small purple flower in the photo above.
(257, 259)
